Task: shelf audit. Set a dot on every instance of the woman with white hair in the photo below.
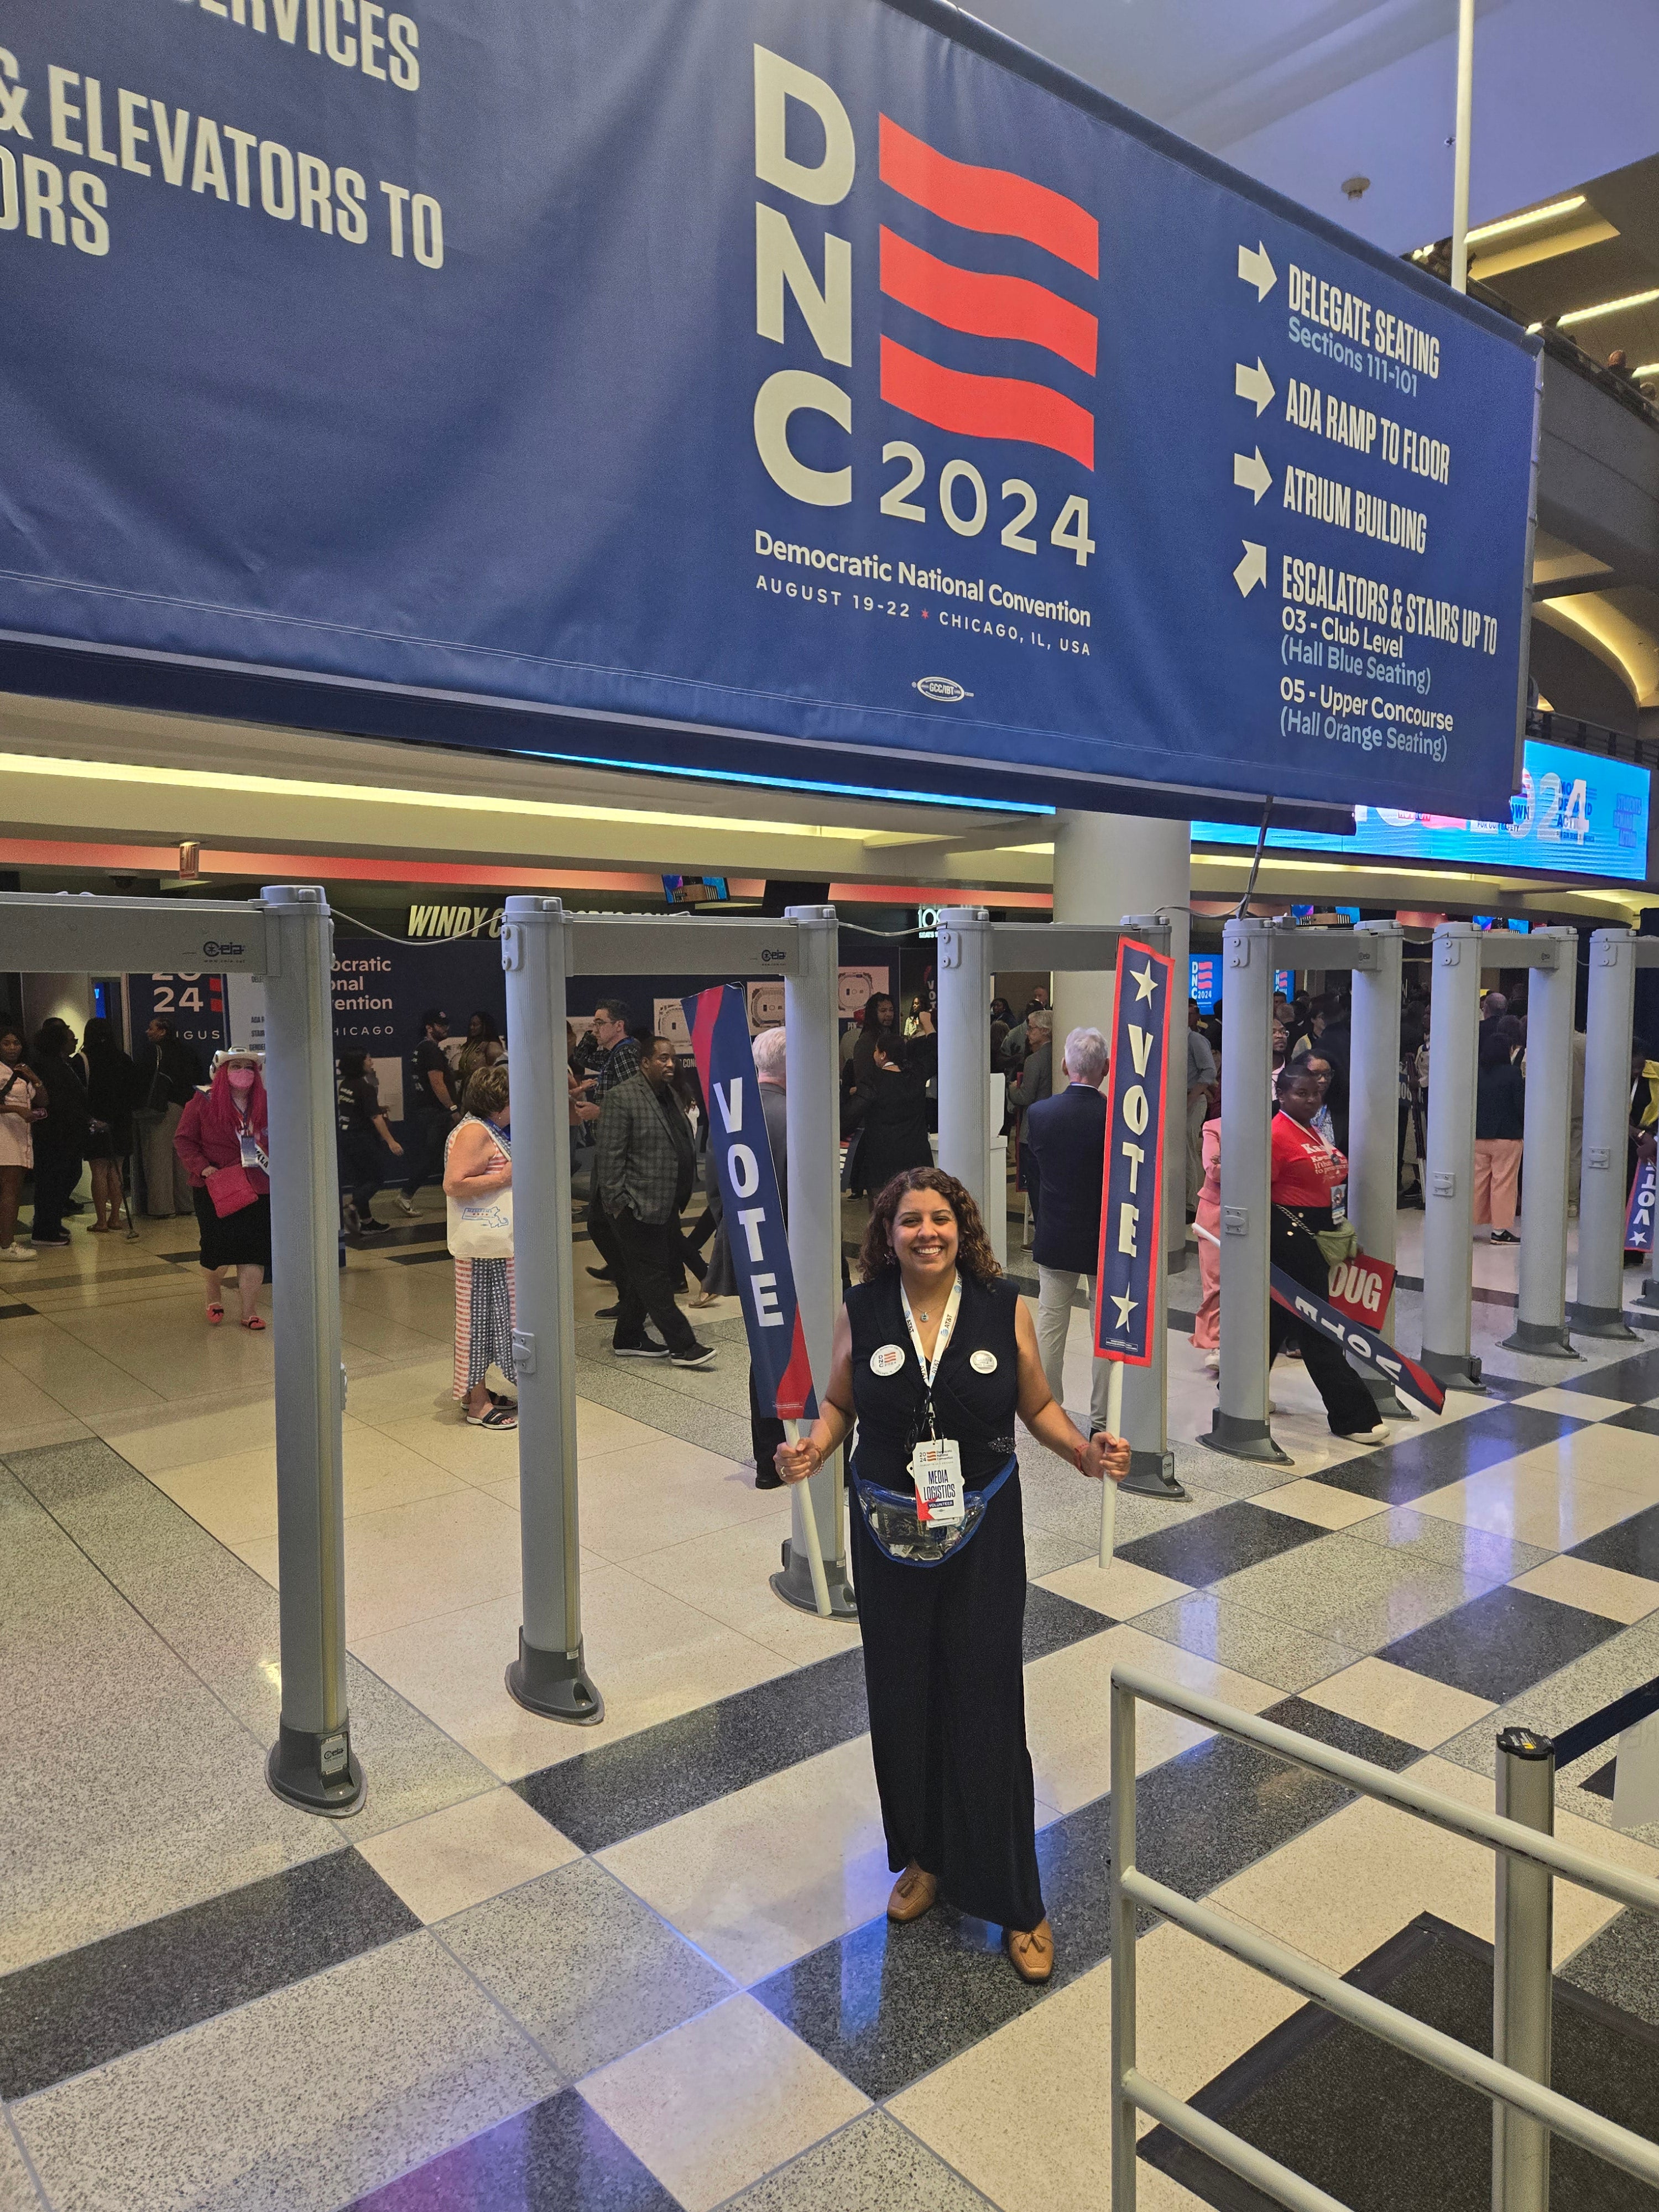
(223, 1140)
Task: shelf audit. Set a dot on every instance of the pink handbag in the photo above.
(230, 1190)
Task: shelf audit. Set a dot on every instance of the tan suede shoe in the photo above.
(914, 1894)
(1031, 1952)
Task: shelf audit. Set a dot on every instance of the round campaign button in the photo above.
(887, 1359)
(982, 1363)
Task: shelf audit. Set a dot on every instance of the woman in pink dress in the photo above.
(1206, 1324)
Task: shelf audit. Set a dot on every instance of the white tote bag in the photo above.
(483, 1228)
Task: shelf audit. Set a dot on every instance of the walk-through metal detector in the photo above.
(285, 937)
(1461, 950)
(1599, 1309)
(542, 946)
(972, 950)
(1251, 951)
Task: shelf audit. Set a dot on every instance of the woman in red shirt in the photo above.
(1307, 1174)
(224, 1127)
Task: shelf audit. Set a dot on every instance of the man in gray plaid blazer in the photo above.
(645, 1163)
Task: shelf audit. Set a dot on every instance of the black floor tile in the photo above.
(599, 1797)
(1500, 1643)
(1643, 1419)
(1052, 1622)
(1211, 1545)
(1341, 1733)
(1600, 1784)
(16, 1313)
(1206, 1816)
(1631, 1546)
(1382, 2132)
(559, 2156)
(84, 2008)
(1634, 1379)
(1400, 1472)
(1621, 1965)
(885, 2005)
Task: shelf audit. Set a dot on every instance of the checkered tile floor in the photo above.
(648, 1966)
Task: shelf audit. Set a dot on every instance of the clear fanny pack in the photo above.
(899, 1533)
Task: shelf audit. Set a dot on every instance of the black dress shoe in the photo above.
(602, 1275)
(767, 1479)
(606, 1313)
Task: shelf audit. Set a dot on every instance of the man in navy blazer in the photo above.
(1067, 1134)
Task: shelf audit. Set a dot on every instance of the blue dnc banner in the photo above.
(1131, 1253)
(836, 393)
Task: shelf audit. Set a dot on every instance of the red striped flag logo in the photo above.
(999, 204)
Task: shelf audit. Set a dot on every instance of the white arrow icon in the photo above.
(1254, 475)
(1253, 384)
(1252, 569)
(1256, 269)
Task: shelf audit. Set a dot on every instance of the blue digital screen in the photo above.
(1204, 967)
(1576, 814)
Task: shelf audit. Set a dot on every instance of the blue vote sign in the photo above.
(836, 393)
(718, 1020)
(1638, 1211)
(1126, 1281)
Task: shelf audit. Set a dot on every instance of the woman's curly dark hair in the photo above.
(974, 1257)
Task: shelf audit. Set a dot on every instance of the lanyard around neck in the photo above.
(930, 1368)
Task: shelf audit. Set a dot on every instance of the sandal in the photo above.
(254, 1322)
(215, 1316)
(497, 1417)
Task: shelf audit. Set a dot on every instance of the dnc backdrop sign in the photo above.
(830, 391)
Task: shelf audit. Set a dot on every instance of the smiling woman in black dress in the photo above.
(935, 1343)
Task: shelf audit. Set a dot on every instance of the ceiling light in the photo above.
(1521, 221)
(1648, 369)
(1607, 307)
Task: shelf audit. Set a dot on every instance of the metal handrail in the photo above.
(1132, 2091)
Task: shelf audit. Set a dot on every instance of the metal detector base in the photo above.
(295, 1770)
(1457, 1371)
(1544, 1340)
(1243, 1439)
(1152, 1474)
(1388, 1402)
(554, 1684)
(794, 1586)
(1601, 1321)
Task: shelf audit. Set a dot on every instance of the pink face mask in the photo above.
(240, 1080)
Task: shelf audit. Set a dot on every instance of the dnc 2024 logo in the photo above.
(927, 193)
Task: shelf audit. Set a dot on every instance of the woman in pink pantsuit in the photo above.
(1206, 1324)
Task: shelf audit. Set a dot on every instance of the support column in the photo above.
(964, 1046)
(550, 1675)
(1448, 1199)
(311, 1763)
(1541, 1321)
(1374, 1125)
(1239, 1424)
(1600, 1306)
(812, 1096)
(1107, 864)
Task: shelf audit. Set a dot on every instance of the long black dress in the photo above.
(943, 1660)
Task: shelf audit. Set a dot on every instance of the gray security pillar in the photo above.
(311, 1762)
(1374, 1125)
(1448, 1199)
(964, 1074)
(550, 1675)
(1541, 1322)
(1599, 1309)
(1239, 1424)
(813, 1097)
